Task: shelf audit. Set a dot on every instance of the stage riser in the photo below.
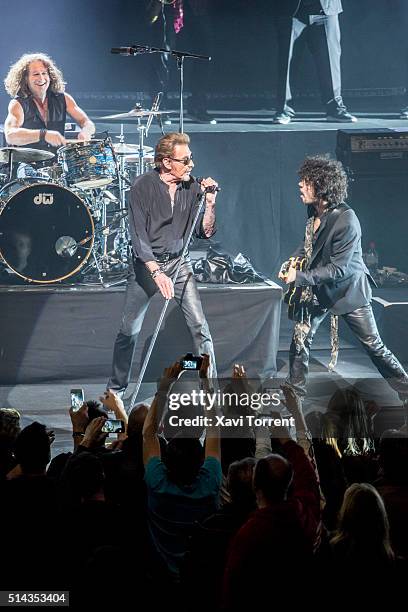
(47, 336)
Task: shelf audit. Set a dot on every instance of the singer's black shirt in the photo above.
(155, 228)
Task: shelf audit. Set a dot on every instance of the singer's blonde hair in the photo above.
(16, 79)
(166, 144)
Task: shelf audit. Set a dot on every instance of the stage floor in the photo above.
(48, 402)
(256, 121)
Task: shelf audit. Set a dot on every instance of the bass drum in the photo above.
(41, 225)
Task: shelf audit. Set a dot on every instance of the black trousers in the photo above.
(140, 290)
(323, 40)
(364, 327)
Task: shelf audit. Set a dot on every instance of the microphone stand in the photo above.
(166, 303)
(180, 56)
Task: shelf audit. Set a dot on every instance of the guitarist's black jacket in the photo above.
(336, 271)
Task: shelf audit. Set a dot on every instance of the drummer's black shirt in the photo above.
(57, 112)
(155, 228)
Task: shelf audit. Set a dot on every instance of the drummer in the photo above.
(37, 112)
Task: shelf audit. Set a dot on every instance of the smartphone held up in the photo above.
(77, 399)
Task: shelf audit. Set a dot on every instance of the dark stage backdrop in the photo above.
(242, 42)
(258, 213)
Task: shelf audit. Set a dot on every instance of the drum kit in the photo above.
(69, 219)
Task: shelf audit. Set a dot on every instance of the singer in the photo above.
(163, 203)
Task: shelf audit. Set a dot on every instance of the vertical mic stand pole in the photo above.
(180, 66)
(165, 305)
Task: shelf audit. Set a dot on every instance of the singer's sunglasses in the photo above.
(185, 160)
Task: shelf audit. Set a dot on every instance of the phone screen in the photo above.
(77, 399)
(189, 364)
(113, 426)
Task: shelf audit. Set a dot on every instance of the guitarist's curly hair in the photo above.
(327, 177)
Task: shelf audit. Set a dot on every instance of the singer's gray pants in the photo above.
(140, 290)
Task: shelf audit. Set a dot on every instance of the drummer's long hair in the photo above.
(16, 79)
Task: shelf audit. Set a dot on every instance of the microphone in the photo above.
(134, 50)
(123, 50)
(211, 189)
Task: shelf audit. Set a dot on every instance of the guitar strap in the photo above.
(309, 305)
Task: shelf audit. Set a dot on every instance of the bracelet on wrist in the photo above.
(78, 434)
(155, 273)
(42, 135)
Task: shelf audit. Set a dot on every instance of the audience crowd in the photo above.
(194, 517)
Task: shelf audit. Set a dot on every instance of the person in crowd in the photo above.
(392, 485)
(183, 487)
(318, 22)
(346, 425)
(281, 533)
(9, 430)
(29, 498)
(163, 204)
(208, 545)
(124, 468)
(362, 537)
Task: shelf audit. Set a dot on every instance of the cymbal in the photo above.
(137, 113)
(122, 148)
(24, 154)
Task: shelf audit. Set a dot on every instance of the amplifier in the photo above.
(373, 150)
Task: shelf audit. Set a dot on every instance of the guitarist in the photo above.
(334, 278)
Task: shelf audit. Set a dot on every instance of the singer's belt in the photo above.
(165, 257)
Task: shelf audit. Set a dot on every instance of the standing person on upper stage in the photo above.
(163, 204)
(335, 278)
(318, 21)
(37, 112)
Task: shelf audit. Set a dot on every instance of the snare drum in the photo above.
(40, 227)
(88, 165)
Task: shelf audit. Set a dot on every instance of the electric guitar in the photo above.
(293, 293)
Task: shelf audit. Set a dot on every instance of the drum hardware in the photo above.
(103, 259)
(12, 155)
(53, 174)
(138, 113)
(122, 148)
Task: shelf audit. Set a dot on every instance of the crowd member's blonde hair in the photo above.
(166, 144)
(16, 79)
(363, 525)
